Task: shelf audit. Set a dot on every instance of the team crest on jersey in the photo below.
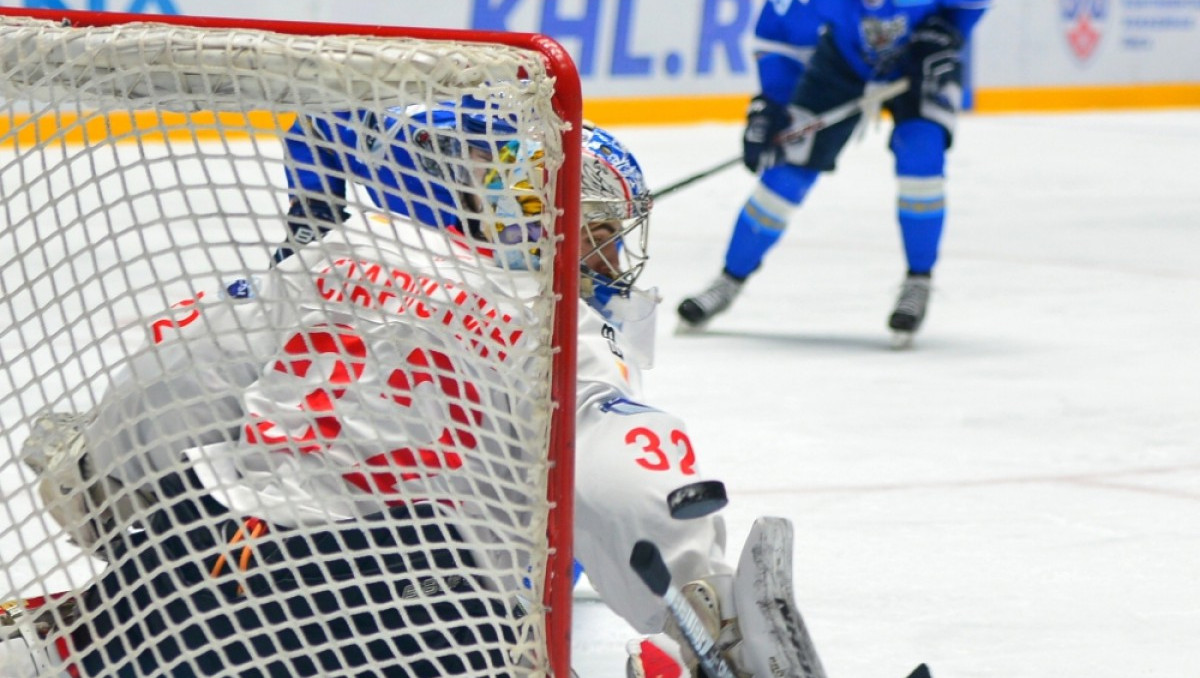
(883, 35)
(1084, 25)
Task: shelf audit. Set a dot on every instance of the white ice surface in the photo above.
(1019, 495)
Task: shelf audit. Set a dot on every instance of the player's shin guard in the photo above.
(759, 226)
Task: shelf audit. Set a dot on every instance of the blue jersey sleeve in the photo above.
(407, 190)
(313, 169)
(325, 153)
(785, 36)
(964, 15)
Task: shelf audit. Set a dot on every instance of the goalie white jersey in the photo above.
(360, 406)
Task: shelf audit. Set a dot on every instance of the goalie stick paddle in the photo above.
(826, 119)
(765, 575)
(648, 563)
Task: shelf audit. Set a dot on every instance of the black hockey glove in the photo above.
(933, 35)
(303, 215)
(764, 121)
(935, 68)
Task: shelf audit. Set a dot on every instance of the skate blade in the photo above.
(683, 328)
(902, 340)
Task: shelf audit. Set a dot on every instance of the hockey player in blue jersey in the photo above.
(814, 55)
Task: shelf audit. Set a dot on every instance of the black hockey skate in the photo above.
(695, 312)
(910, 309)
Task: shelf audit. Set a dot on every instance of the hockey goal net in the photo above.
(222, 459)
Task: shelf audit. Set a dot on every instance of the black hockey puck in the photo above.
(697, 499)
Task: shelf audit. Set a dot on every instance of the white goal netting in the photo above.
(282, 377)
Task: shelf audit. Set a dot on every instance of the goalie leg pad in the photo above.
(21, 660)
(775, 641)
(753, 619)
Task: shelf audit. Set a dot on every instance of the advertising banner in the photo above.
(678, 60)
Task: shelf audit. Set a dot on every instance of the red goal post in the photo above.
(22, 134)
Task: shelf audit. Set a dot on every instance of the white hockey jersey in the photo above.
(296, 405)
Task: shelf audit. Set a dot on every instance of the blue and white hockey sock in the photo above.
(921, 210)
(765, 216)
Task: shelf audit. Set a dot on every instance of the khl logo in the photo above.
(1084, 22)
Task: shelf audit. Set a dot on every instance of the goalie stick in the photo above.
(648, 563)
(826, 119)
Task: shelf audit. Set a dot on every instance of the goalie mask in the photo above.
(615, 207)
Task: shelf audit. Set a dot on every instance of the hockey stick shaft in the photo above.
(839, 113)
(826, 119)
(647, 561)
(668, 190)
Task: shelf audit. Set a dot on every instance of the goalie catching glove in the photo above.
(90, 507)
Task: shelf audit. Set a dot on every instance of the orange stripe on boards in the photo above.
(143, 126)
(666, 110)
(1107, 97)
(732, 107)
(650, 110)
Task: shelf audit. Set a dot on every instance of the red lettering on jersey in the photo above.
(158, 326)
(370, 285)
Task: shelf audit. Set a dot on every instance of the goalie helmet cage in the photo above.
(144, 190)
